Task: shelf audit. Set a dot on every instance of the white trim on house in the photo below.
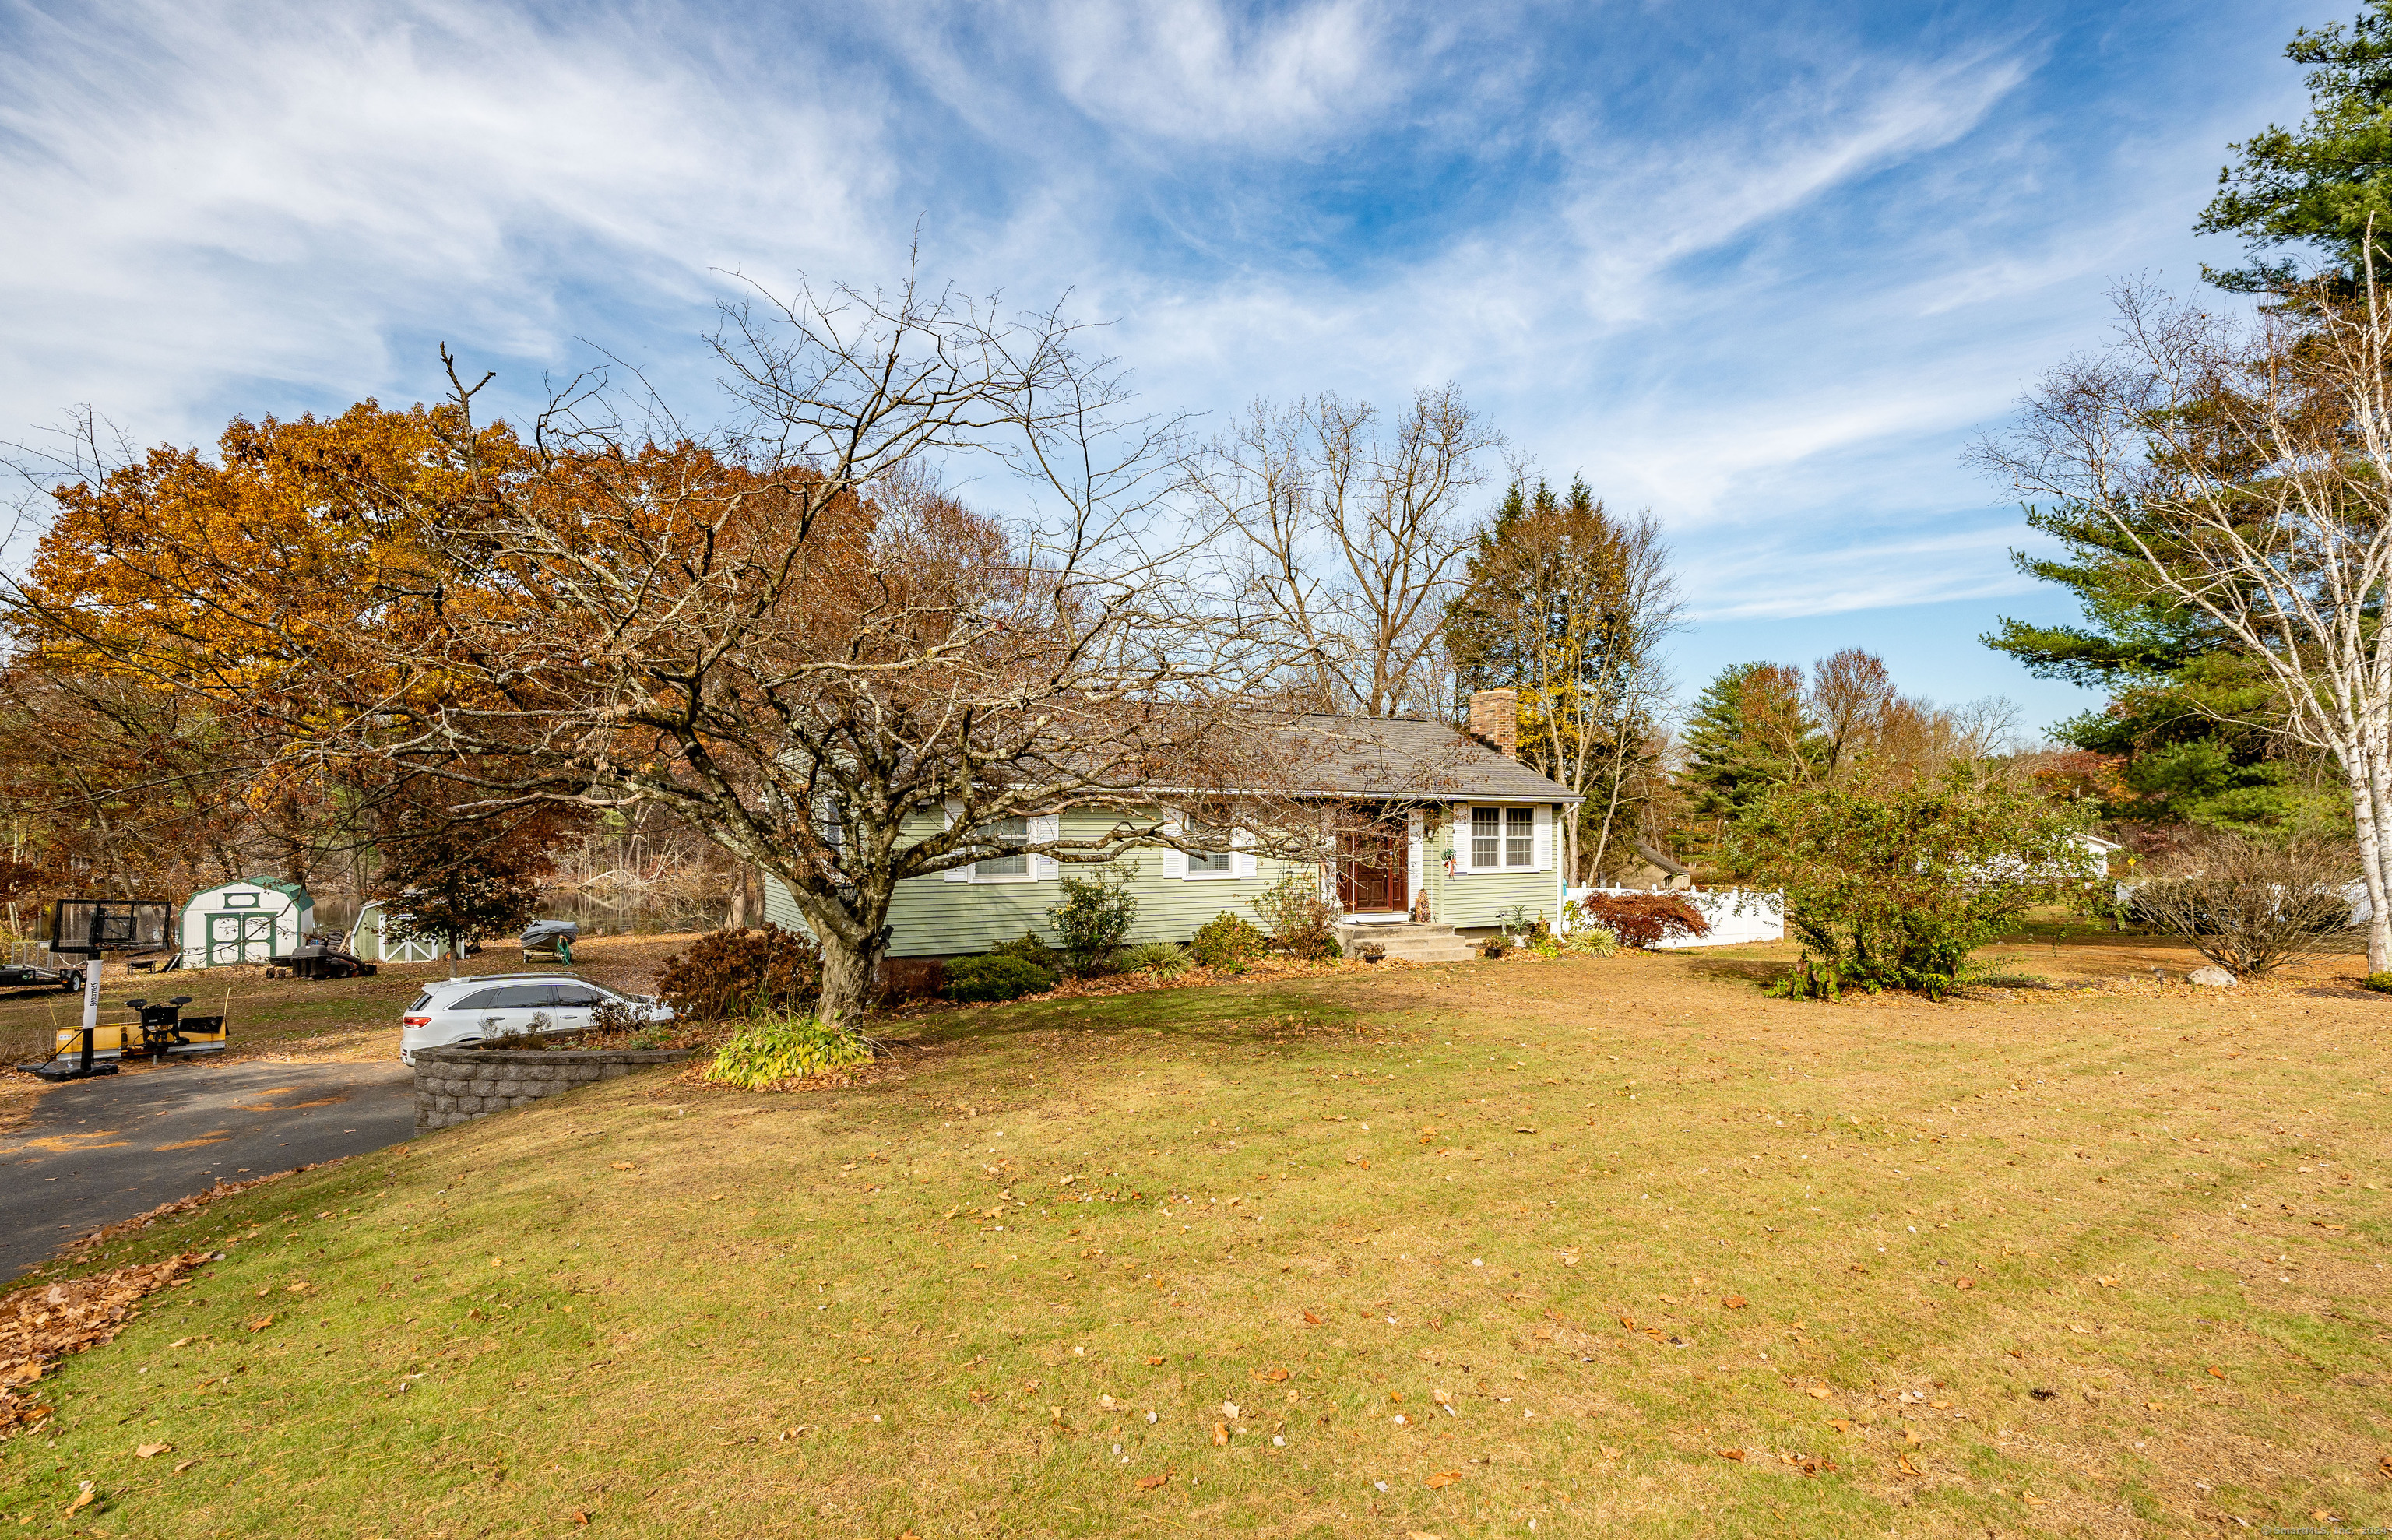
(1415, 858)
(1504, 843)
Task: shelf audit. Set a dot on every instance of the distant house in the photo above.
(1450, 818)
(2099, 850)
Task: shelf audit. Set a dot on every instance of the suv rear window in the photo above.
(420, 1000)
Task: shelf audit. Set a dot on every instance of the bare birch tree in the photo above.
(2248, 465)
(1349, 536)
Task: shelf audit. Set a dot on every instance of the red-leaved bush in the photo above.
(1641, 919)
(731, 972)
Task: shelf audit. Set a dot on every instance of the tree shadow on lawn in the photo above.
(1746, 970)
(1276, 1013)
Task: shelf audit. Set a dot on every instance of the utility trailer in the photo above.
(35, 975)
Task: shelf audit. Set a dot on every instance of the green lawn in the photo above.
(2123, 1246)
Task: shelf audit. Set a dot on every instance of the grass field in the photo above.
(1512, 1249)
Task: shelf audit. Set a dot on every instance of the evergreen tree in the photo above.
(1749, 733)
(1567, 604)
(2320, 185)
(2191, 726)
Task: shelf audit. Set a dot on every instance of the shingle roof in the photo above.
(1405, 757)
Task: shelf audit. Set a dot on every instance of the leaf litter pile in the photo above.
(45, 1322)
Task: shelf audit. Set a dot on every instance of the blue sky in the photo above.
(1765, 270)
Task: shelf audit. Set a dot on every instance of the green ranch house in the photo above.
(1460, 830)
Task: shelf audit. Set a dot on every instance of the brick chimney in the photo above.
(1495, 720)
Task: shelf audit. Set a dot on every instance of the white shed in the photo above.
(254, 921)
(371, 940)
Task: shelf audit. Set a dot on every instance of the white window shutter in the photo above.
(1541, 847)
(1175, 861)
(956, 874)
(1242, 861)
(1046, 831)
(1462, 830)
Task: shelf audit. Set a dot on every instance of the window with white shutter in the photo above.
(1006, 831)
(1209, 863)
(1486, 838)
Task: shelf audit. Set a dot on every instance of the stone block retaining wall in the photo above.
(457, 1085)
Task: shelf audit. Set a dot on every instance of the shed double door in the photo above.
(240, 936)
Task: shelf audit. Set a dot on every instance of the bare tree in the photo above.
(1350, 536)
(2248, 466)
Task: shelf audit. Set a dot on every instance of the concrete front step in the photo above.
(1413, 943)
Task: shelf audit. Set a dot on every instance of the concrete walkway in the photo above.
(106, 1149)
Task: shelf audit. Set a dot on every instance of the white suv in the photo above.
(459, 1011)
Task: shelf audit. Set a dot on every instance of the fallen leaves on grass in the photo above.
(625, 1165)
(1819, 1392)
(1729, 1454)
(83, 1247)
(2030, 1500)
(186, 1465)
(1310, 1319)
(264, 1321)
(1733, 1301)
(151, 1451)
(1964, 1283)
(1220, 1433)
(83, 1498)
(1148, 1484)
(2216, 1373)
(1275, 1376)
(1901, 1463)
(1841, 1425)
(1444, 1477)
(42, 1323)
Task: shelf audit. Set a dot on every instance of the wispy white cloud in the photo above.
(238, 193)
(1759, 272)
(1192, 71)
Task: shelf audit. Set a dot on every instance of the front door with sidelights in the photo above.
(1374, 869)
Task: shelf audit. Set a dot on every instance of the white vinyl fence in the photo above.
(1736, 914)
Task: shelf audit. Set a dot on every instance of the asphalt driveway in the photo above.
(106, 1149)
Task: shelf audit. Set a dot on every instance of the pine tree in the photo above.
(2322, 184)
(1747, 734)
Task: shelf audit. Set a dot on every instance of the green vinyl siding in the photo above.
(1470, 901)
(933, 917)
